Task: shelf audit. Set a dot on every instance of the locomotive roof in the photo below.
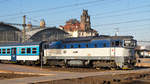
(21, 44)
(102, 37)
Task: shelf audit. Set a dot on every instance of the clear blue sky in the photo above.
(132, 17)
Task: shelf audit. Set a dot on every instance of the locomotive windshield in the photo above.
(130, 43)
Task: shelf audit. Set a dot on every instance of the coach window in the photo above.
(28, 50)
(0, 51)
(3, 51)
(23, 50)
(33, 50)
(8, 51)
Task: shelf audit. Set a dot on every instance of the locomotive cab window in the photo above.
(8, 51)
(34, 50)
(71, 46)
(130, 43)
(23, 50)
(117, 43)
(0, 51)
(28, 50)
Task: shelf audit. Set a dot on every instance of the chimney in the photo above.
(29, 26)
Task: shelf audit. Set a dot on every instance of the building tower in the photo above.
(85, 23)
(42, 23)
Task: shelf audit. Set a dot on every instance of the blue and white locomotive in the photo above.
(101, 51)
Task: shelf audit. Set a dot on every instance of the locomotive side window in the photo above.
(95, 45)
(28, 50)
(8, 51)
(0, 51)
(64, 46)
(79, 46)
(33, 50)
(71, 46)
(113, 44)
(104, 44)
(3, 51)
(23, 50)
(87, 45)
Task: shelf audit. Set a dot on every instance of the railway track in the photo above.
(64, 73)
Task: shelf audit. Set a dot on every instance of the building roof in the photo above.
(39, 34)
(6, 27)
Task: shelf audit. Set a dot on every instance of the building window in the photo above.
(0, 51)
(28, 50)
(8, 51)
(33, 50)
(23, 50)
(95, 45)
(3, 51)
(104, 44)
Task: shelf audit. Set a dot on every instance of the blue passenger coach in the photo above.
(21, 52)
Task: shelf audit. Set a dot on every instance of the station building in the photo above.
(80, 28)
(9, 34)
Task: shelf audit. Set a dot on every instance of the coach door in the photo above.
(13, 54)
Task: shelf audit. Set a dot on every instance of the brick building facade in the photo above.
(80, 28)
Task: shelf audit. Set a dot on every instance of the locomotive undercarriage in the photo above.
(117, 63)
(104, 64)
(83, 63)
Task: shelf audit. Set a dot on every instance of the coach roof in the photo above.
(21, 44)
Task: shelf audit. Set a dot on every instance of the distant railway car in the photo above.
(143, 58)
(101, 51)
(28, 53)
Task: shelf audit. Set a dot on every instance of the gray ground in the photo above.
(54, 75)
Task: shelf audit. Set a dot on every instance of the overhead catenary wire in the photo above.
(54, 8)
(123, 22)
